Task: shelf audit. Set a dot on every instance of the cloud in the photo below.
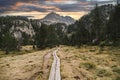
(65, 6)
(31, 7)
(46, 5)
(39, 15)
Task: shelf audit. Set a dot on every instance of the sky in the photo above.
(39, 8)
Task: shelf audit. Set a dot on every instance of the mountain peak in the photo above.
(53, 17)
(53, 13)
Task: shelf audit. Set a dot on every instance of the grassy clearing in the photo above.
(84, 63)
(22, 67)
(90, 63)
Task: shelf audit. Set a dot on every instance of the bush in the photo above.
(116, 69)
(103, 72)
(89, 65)
(118, 78)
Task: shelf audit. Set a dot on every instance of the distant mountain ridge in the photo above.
(53, 17)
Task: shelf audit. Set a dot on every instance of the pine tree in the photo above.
(96, 23)
(82, 35)
(46, 37)
(52, 38)
(26, 39)
(0, 39)
(9, 43)
(40, 37)
(113, 28)
(66, 40)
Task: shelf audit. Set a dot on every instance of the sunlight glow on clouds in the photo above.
(39, 15)
(39, 8)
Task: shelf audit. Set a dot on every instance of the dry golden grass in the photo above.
(24, 50)
(84, 63)
(89, 63)
(22, 67)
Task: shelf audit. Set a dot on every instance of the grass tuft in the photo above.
(116, 69)
(88, 65)
(103, 73)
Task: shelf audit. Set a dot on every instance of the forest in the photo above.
(100, 27)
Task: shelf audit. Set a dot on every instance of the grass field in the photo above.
(90, 63)
(84, 63)
(23, 65)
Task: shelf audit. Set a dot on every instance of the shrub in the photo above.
(118, 78)
(89, 65)
(116, 69)
(103, 72)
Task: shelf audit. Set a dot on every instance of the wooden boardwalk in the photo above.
(55, 68)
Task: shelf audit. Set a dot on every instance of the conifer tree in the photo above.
(82, 35)
(113, 28)
(52, 38)
(0, 39)
(40, 37)
(96, 23)
(9, 43)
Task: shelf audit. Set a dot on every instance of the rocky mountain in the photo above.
(19, 27)
(53, 17)
(22, 27)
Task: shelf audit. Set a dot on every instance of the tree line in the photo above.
(109, 34)
(74, 35)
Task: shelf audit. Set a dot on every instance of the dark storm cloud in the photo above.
(11, 2)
